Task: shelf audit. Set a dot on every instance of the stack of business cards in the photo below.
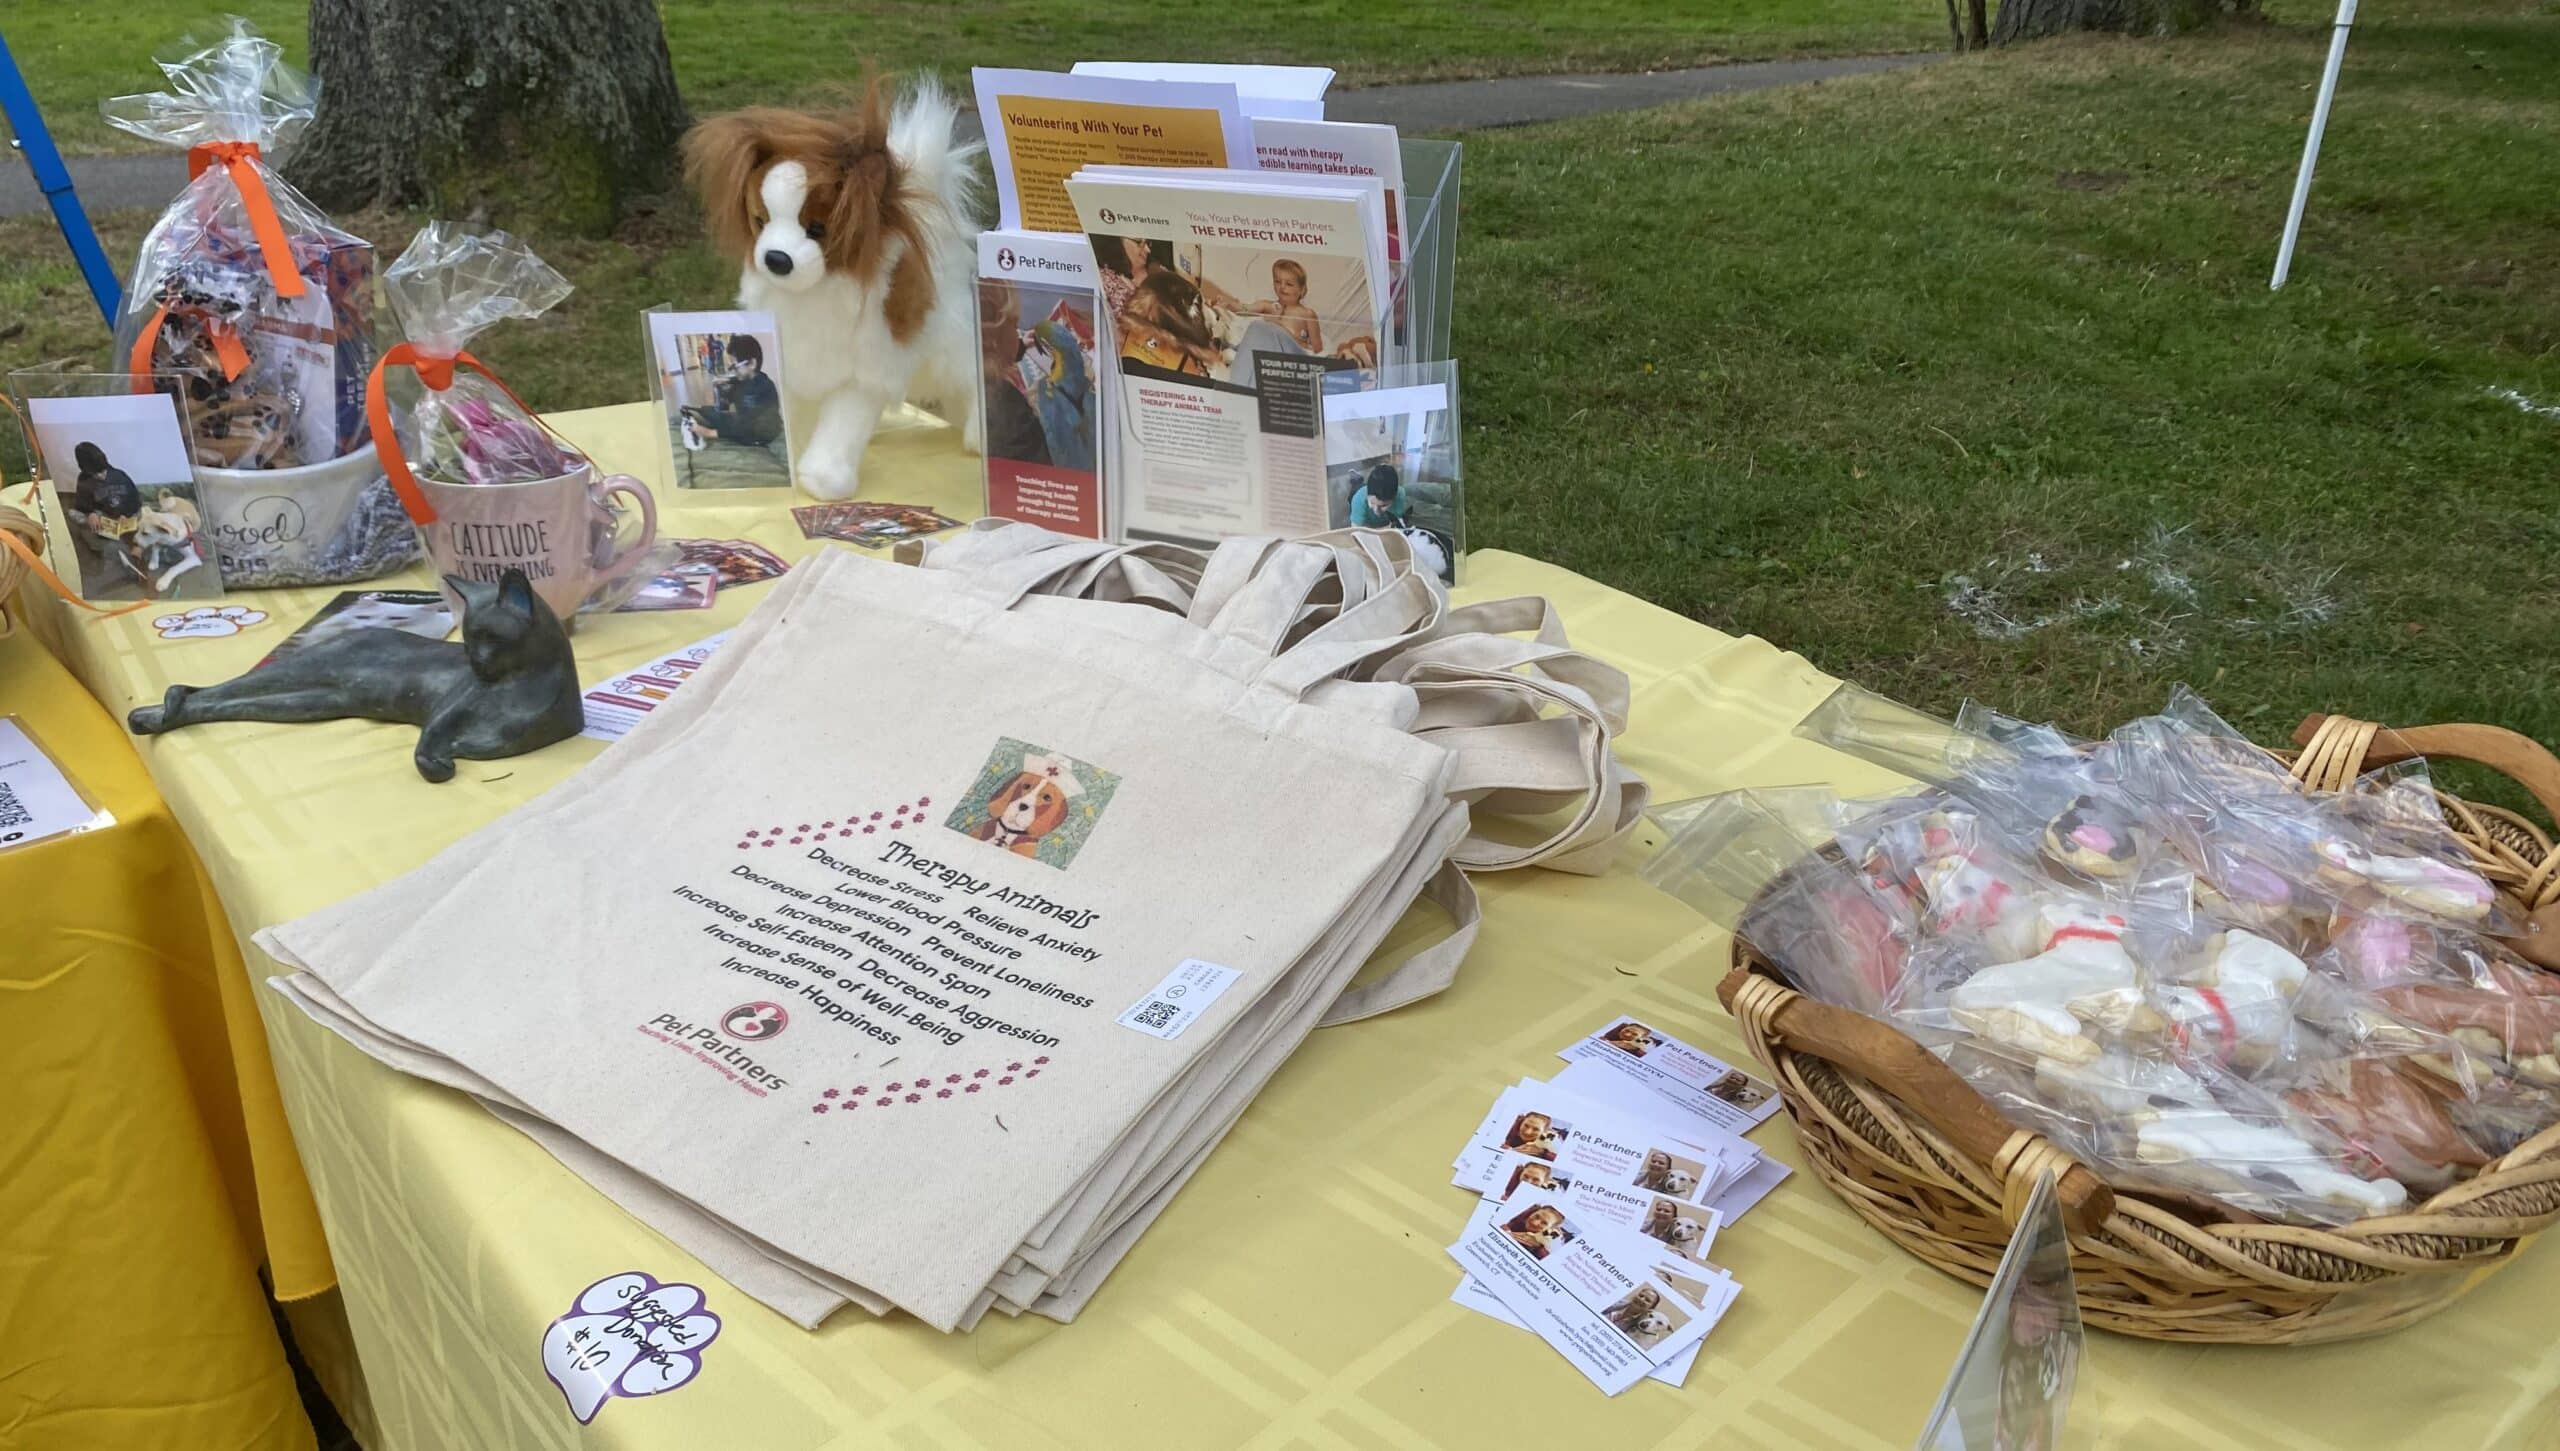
(1601, 1192)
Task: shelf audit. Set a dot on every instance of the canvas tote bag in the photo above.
(1098, 1194)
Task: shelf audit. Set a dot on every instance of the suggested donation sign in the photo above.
(878, 939)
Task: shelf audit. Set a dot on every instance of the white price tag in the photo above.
(1186, 992)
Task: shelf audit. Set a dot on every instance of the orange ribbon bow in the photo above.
(436, 371)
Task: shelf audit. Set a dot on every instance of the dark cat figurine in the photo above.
(510, 687)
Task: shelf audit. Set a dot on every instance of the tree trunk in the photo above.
(562, 112)
(1977, 28)
(2035, 19)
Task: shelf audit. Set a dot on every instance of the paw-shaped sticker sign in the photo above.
(627, 1335)
(208, 622)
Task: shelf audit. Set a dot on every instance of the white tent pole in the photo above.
(2311, 144)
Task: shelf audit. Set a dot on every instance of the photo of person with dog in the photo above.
(1629, 1037)
(1537, 1135)
(1645, 1315)
(1391, 462)
(1664, 1172)
(719, 375)
(127, 488)
(1541, 1229)
(1533, 1174)
(1687, 1229)
(1736, 1087)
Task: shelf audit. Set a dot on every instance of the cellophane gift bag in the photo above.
(441, 413)
(248, 293)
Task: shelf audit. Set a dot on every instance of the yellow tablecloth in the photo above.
(1296, 1292)
(130, 1309)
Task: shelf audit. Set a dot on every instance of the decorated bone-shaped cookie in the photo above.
(2239, 1005)
(2094, 839)
(2121, 1086)
(2391, 1124)
(2259, 1157)
(2424, 884)
(2037, 1005)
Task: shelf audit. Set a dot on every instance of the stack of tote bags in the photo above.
(918, 951)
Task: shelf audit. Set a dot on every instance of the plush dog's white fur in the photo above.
(843, 366)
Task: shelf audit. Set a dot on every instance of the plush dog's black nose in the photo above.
(777, 262)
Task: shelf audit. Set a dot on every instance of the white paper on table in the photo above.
(37, 801)
(614, 706)
(1590, 1294)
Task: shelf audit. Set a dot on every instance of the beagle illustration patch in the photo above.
(1033, 802)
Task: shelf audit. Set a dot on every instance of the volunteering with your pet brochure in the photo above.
(1233, 302)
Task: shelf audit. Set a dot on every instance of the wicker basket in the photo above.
(1917, 1153)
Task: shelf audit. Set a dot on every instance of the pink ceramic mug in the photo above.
(559, 531)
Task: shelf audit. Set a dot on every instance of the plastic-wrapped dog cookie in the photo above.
(2093, 839)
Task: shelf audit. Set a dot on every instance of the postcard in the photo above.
(419, 612)
(1696, 1080)
(719, 380)
(738, 561)
(1604, 1309)
(1041, 126)
(870, 525)
(126, 484)
(686, 587)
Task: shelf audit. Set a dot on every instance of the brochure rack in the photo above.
(1199, 438)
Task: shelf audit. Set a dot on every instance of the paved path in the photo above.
(108, 183)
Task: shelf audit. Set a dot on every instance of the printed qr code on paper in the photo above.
(11, 813)
(1156, 1014)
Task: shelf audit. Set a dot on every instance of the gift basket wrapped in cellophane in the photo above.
(261, 309)
(2275, 1023)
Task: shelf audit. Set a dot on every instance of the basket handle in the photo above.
(2338, 748)
(1902, 1068)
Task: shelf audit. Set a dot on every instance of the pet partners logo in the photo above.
(1034, 803)
(754, 1022)
(1004, 258)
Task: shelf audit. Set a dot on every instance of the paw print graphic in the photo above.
(1002, 1082)
(833, 1093)
(972, 1088)
(817, 1108)
(208, 622)
(942, 1093)
(915, 1098)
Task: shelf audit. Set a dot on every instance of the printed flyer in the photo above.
(1231, 311)
(1338, 148)
(1041, 382)
(1042, 126)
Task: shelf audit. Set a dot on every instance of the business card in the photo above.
(1606, 1311)
(1695, 1080)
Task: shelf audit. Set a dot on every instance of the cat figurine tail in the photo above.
(510, 686)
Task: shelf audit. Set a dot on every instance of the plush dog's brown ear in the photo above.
(721, 158)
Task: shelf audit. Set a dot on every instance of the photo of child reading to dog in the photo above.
(127, 488)
(1210, 312)
(719, 376)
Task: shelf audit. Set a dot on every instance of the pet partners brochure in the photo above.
(1232, 308)
(1041, 381)
(1042, 126)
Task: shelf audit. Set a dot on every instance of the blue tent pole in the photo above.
(28, 133)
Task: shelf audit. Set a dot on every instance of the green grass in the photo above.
(1827, 364)
(736, 52)
(1966, 380)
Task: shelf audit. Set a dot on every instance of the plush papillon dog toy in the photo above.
(855, 229)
